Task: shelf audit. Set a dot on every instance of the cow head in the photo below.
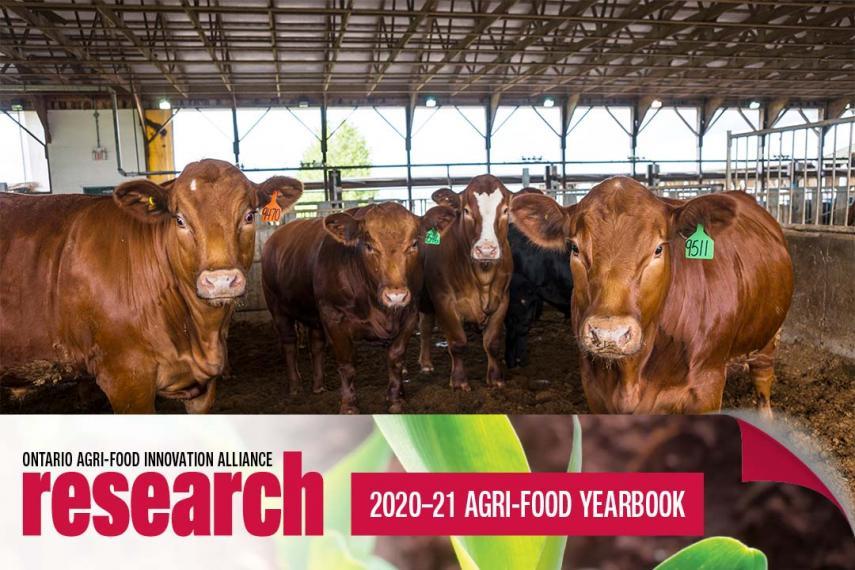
(482, 208)
(387, 238)
(620, 239)
(208, 219)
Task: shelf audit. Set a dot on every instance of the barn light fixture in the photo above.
(164, 105)
(655, 104)
(303, 103)
(754, 105)
(430, 101)
(548, 102)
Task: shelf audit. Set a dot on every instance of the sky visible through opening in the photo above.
(597, 142)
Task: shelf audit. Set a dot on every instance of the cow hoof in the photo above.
(427, 368)
(348, 409)
(294, 392)
(463, 387)
(318, 389)
(396, 407)
(496, 383)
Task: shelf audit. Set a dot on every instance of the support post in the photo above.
(235, 136)
(408, 144)
(324, 138)
(159, 146)
(490, 110)
(567, 111)
(638, 112)
(705, 118)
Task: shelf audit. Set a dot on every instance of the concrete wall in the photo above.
(823, 308)
(71, 163)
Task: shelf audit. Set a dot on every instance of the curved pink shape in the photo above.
(765, 459)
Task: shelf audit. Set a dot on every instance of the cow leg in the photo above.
(426, 321)
(202, 404)
(395, 361)
(762, 371)
(452, 327)
(128, 393)
(493, 344)
(317, 342)
(342, 345)
(705, 394)
(288, 337)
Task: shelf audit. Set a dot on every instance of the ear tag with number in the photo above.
(432, 237)
(699, 245)
(271, 211)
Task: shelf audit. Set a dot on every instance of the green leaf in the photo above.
(457, 443)
(552, 556)
(337, 548)
(715, 553)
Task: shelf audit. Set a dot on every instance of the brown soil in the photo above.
(813, 389)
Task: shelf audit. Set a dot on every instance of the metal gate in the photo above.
(801, 174)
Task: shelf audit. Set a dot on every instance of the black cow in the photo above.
(540, 276)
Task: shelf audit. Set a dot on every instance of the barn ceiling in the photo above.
(360, 51)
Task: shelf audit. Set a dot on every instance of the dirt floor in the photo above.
(813, 389)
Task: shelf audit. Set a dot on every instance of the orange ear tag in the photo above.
(272, 211)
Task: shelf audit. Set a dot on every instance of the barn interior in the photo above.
(374, 100)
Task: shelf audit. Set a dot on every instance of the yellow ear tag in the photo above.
(272, 211)
(151, 205)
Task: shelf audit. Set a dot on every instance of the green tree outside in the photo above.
(346, 146)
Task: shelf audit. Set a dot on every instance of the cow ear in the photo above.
(143, 199)
(541, 219)
(447, 197)
(288, 190)
(438, 218)
(343, 227)
(715, 211)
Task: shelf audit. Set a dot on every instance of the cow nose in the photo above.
(611, 337)
(221, 284)
(396, 297)
(486, 250)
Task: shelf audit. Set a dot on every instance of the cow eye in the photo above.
(414, 245)
(574, 248)
(180, 221)
(505, 211)
(659, 249)
(249, 217)
(467, 211)
(369, 248)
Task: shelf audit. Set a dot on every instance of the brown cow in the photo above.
(355, 274)
(136, 289)
(657, 329)
(468, 275)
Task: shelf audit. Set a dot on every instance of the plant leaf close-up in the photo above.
(466, 444)
(337, 548)
(552, 556)
(716, 553)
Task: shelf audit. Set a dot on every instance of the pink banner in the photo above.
(558, 504)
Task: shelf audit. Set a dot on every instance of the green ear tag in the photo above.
(699, 245)
(432, 237)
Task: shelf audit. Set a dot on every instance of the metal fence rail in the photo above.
(802, 174)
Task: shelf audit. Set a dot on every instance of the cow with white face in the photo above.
(467, 276)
